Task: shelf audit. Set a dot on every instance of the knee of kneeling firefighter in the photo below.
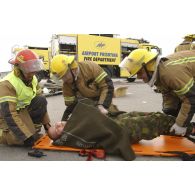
(40, 101)
(7, 138)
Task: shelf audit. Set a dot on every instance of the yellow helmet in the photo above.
(137, 58)
(190, 37)
(61, 63)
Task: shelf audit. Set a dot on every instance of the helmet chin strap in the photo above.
(20, 74)
(154, 75)
(75, 89)
(147, 72)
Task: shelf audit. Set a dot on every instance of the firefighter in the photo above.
(187, 44)
(22, 109)
(82, 80)
(174, 76)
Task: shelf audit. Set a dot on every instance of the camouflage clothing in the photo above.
(143, 125)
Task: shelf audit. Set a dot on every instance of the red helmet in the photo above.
(27, 61)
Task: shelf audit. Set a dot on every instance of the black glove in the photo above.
(170, 111)
(68, 111)
(29, 142)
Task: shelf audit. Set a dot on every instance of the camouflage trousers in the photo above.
(143, 125)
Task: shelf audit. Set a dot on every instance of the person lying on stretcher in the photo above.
(139, 125)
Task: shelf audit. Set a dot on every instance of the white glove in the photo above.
(102, 109)
(178, 130)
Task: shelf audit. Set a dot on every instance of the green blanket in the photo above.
(87, 128)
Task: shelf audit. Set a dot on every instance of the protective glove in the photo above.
(178, 130)
(47, 126)
(102, 109)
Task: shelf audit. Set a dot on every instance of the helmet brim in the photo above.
(12, 61)
(130, 66)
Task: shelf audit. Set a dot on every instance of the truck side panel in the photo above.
(102, 50)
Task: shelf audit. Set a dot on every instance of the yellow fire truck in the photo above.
(107, 50)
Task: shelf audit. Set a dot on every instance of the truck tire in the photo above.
(131, 79)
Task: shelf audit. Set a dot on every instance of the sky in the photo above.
(163, 23)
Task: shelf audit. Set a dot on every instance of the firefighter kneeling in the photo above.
(22, 109)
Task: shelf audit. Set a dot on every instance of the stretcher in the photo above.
(159, 146)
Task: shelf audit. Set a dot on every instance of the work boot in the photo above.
(31, 140)
(37, 136)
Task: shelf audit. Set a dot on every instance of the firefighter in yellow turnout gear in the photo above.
(22, 110)
(174, 75)
(82, 80)
(187, 44)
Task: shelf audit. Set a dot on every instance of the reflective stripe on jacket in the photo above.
(92, 82)
(176, 75)
(11, 118)
(24, 93)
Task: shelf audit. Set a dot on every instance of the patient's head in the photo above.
(56, 131)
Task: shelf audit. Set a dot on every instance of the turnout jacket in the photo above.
(15, 119)
(175, 79)
(93, 83)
